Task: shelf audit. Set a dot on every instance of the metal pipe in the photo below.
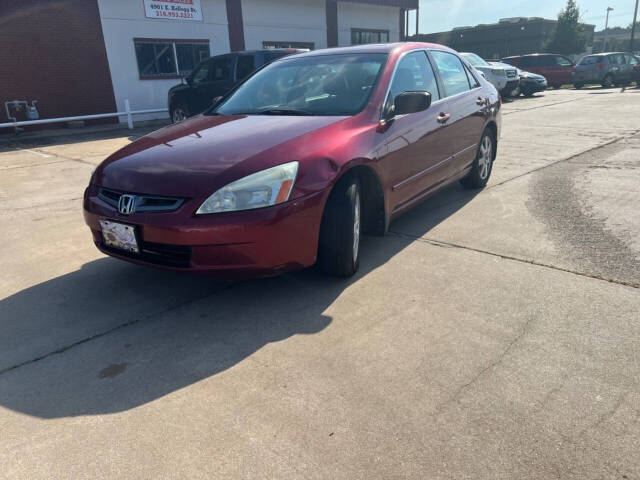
(83, 117)
(417, 19)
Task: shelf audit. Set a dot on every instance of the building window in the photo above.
(160, 58)
(361, 36)
(301, 45)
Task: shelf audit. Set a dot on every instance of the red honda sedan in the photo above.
(293, 165)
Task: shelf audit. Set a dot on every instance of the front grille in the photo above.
(158, 254)
(512, 73)
(143, 203)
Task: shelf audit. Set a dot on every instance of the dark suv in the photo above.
(214, 77)
(555, 68)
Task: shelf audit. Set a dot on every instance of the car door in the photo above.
(466, 105)
(563, 68)
(416, 145)
(218, 82)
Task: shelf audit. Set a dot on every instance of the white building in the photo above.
(152, 44)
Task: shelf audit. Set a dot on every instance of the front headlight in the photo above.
(262, 189)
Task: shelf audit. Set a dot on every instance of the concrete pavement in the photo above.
(491, 334)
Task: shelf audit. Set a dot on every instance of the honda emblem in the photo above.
(127, 204)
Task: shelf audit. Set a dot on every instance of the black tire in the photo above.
(528, 93)
(338, 253)
(578, 85)
(178, 112)
(608, 81)
(478, 176)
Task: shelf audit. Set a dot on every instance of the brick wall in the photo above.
(53, 51)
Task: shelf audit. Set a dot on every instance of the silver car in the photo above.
(607, 69)
(504, 77)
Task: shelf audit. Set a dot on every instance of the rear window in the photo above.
(591, 60)
(531, 62)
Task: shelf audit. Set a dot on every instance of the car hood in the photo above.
(198, 156)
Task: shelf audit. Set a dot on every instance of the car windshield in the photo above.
(591, 60)
(315, 85)
(475, 60)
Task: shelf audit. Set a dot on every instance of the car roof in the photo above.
(373, 48)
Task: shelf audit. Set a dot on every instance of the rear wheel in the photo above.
(482, 165)
(608, 81)
(578, 85)
(340, 231)
(178, 113)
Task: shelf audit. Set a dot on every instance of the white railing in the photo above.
(127, 113)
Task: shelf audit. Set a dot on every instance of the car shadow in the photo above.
(135, 334)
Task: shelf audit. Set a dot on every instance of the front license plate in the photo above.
(119, 235)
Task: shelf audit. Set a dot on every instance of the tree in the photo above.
(569, 36)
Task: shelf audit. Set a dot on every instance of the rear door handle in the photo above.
(443, 117)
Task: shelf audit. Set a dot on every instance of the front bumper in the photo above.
(250, 243)
(527, 85)
(510, 87)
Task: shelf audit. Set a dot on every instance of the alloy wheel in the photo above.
(178, 115)
(486, 157)
(356, 226)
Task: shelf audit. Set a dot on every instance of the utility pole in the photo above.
(633, 27)
(606, 30)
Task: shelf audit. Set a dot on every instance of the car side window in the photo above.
(245, 66)
(221, 69)
(563, 62)
(202, 73)
(631, 60)
(452, 72)
(473, 81)
(413, 74)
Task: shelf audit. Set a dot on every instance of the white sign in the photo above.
(173, 9)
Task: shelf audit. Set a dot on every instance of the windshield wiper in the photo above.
(283, 111)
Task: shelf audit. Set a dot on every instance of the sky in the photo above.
(442, 15)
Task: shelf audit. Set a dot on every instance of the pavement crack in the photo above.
(541, 106)
(114, 329)
(487, 368)
(439, 243)
(571, 157)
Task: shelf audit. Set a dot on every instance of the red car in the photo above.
(289, 168)
(555, 68)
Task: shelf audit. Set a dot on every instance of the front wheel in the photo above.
(340, 231)
(482, 165)
(578, 85)
(178, 113)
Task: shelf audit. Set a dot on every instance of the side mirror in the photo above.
(216, 100)
(411, 102)
(482, 73)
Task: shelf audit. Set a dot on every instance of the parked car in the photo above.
(636, 73)
(304, 156)
(503, 77)
(531, 83)
(555, 68)
(607, 69)
(215, 77)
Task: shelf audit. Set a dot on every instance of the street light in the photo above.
(606, 30)
(633, 27)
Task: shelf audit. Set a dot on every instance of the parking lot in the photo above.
(489, 334)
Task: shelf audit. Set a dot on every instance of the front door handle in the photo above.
(443, 117)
